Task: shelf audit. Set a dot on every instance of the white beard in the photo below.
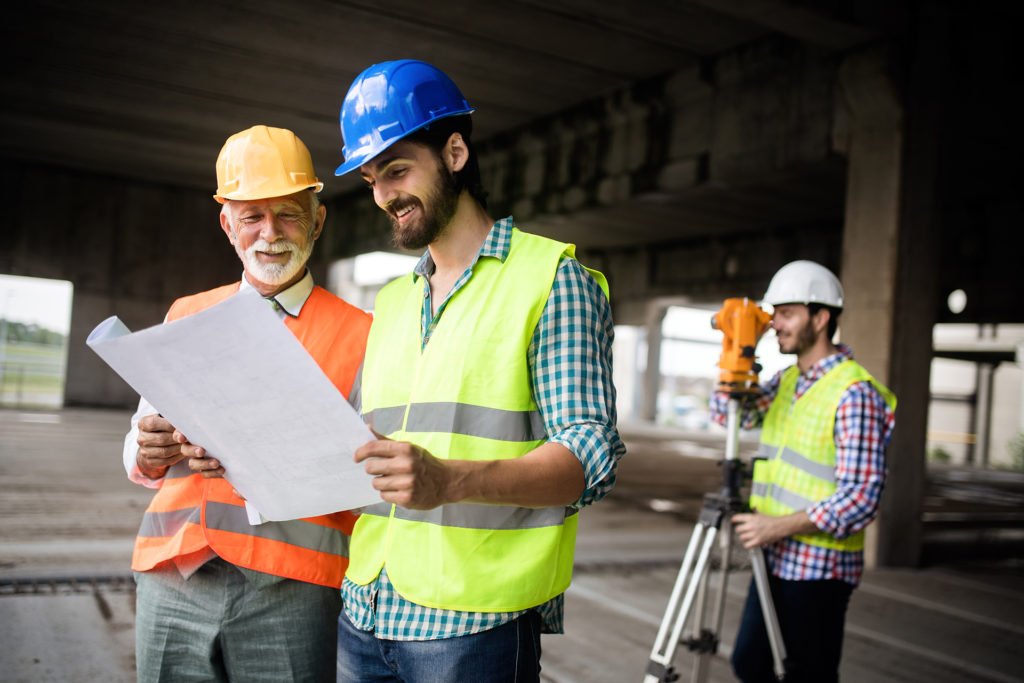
(276, 273)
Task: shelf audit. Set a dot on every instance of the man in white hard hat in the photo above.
(488, 369)
(825, 425)
(220, 597)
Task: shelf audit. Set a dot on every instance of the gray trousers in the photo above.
(228, 624)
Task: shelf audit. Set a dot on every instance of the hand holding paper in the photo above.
(243, 387)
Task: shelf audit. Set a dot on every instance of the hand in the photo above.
(755, 530)
(198, 459)
(158, 447)
(405, 474)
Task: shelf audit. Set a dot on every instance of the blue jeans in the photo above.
(509, 653)
(811, 616)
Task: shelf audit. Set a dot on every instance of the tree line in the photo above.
(29, 333)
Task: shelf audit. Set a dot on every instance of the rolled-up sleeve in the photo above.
(753, 407)
(862, 431)
(570, 359)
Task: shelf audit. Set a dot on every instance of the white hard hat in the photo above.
(804, 282)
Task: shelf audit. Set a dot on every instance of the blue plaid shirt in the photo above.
(570, 359)
(863, 428)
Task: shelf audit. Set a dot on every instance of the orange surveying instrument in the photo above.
(742, 323)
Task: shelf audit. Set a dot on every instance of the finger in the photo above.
(213, 474)
(155, 439)
(203, 464)
(393, 483)
(159, 454)
(192, 451)
(179, 437)
(376, 466)
(747, 540)
(155, 423)
(378, 449)
(398, 497)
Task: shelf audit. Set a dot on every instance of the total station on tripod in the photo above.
(742, 322)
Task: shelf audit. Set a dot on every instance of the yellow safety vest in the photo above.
(466, 395)
(799, 449)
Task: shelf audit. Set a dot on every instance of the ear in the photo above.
(225, 224)
(821, 319)
(320, 218)
(455, 153)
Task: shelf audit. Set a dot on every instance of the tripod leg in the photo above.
(700, 639)
(699, 575)
(660, 662)
(713, 633)
(771, 619)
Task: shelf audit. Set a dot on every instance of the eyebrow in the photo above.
(380, 163)
(276, 208)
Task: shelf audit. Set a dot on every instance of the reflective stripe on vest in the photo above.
(794, 459)
(189, 513)
(797, 451)
(227, 517)
(467, 395)
(792, 500)
(178, 470)
(155, 524)
(460, 418)
(476, 516)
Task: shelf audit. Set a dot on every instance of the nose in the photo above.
(269, 229)
(382, 194)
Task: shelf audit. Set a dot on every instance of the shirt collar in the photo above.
(290, 300)
(843, 352)
(496, 245)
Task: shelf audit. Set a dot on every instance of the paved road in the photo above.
(67, 512)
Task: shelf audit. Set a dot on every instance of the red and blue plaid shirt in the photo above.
(863, 428)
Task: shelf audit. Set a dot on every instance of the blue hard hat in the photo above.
(391, 100)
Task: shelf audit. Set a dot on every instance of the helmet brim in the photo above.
(360, 159)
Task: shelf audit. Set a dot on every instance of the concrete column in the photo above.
(874, 146)
(889, 268)
(983, 414)
(652, 372)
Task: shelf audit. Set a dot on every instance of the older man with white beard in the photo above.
(220, 595)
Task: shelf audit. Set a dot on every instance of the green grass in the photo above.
(31, 373)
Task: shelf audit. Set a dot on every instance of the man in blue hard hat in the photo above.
(488, 376)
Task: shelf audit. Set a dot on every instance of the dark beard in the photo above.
(806, 338)
(443, 201)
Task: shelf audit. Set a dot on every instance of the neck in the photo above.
(822, 348)
(460, 241)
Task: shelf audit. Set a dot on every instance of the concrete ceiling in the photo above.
(151, 90)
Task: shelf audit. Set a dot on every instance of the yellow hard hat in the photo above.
(263, 162)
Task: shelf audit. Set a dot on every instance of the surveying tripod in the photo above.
(742, 322)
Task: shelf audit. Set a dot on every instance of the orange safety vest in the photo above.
(190, 513)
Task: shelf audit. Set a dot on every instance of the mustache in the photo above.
(279, 247)
(399, 203)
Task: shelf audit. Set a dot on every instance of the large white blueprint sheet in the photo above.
(237, 382)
